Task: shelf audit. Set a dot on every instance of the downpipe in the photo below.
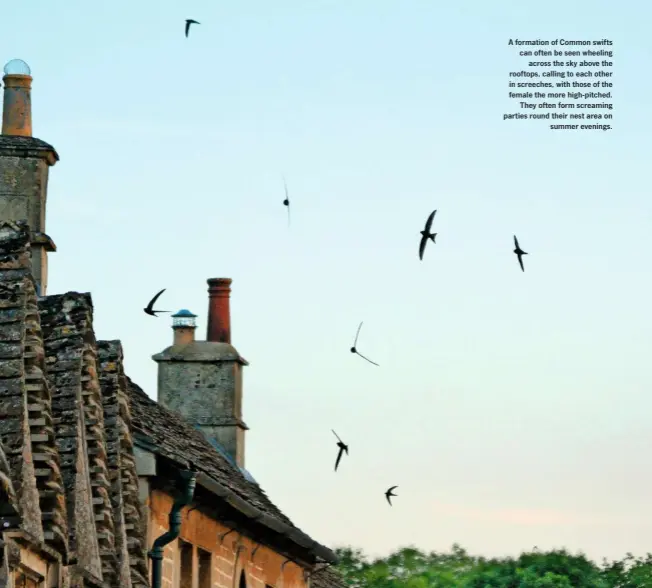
(188, 481)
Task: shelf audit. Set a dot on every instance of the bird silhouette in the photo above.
(149, 309)
(355, 350)
(389, 493)
(343, 448)
(189, 21)
(519, 253)
(426, 234)
(286, 202)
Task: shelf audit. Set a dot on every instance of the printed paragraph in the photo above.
(568, 84)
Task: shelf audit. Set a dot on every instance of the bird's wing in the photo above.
(338, 437)
(187, 26)
(422, 246)
(287, 197)
(339, 456)
(357, 335)
(429, 221)
(388, 498)
(520, 261)
(152, 302)
(363, 357)
(392, 488)
(516, 242)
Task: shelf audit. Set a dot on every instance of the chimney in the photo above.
(219, 311)
(183, 325)
(17, 104)
(24, 168)
(202, 380)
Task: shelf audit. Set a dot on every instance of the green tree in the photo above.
(630, 572)
(410, 567)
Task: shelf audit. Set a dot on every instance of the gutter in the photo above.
(188, 481)
(272, 523)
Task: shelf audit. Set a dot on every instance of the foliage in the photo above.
(409, 567)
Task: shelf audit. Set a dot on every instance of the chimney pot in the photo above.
(219, 311)
(17, 102)
(183, 325)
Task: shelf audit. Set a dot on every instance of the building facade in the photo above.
(101, 486)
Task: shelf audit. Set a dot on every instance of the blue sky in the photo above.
(512, 409)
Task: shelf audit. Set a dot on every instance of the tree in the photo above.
(630, 572)
(410, 567)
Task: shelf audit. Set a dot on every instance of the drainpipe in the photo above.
(188, 480)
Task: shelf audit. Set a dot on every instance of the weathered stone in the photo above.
(13, 350)
(11, 315)
(11, 368)
(14, 260)
(128, 516)
(14, 237)
(70, 347)
(11, 387)
(14, 274)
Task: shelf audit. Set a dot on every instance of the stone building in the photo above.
(99, 484)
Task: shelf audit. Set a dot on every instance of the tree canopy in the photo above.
(410, 567)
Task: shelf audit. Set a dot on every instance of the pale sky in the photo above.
(512, 409)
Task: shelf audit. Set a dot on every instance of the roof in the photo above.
(7, 493)
(26, 146)
(178, 440)
(168, 434)
(184, 312)
(328, 578)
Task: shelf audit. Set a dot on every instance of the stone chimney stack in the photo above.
(24, 168)
(219, 310)
(202, 380)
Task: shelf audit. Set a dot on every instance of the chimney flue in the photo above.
(17, 102)
(183, 325)
(219, 312)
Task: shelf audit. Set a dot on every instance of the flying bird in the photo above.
(189, 21)
(354, 349)
(426, 234)
(519, 252)
(286, 202)
(343, 447)
(149, 309)
(389, 493)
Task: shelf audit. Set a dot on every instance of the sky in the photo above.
(511, 408)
